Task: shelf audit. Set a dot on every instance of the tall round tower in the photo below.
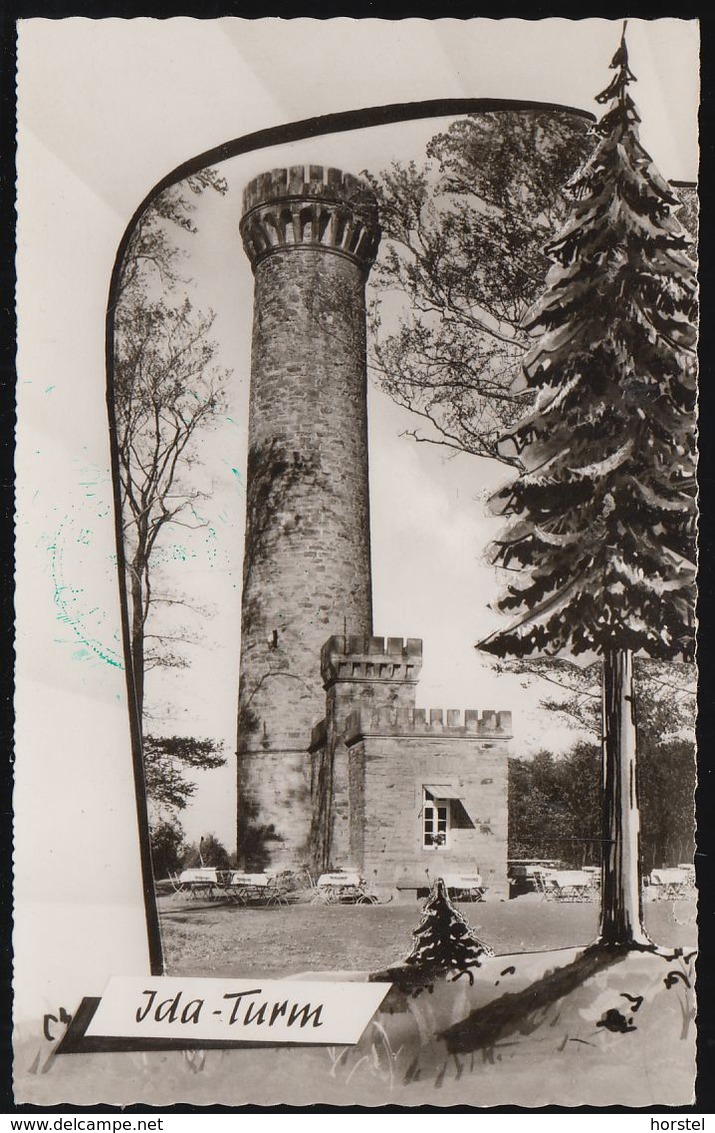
(311, 235)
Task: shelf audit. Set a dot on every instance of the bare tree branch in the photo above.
(167, 390)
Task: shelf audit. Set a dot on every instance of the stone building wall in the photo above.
(358, 672)
(392, 757)
(311, 234)
(375, 754)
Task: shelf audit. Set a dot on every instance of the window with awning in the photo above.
(444, 809)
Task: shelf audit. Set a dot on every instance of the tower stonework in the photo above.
(384, 771)
(311, 234)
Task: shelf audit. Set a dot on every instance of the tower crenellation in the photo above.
(452, 722)
(309, 206)
(371, 659)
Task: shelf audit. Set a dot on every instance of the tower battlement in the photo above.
(355, 658)
(304, 181)
(310, 206)
(422, 722)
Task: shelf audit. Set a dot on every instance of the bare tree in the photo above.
(167, 390)
(665, 690)
(462, 261)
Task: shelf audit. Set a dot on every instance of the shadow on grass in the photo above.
(521, 1011)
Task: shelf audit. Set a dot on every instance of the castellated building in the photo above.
(336, 765)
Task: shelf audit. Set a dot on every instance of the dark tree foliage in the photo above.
(604, 512)
(542, 825)
(602, 532)
(167, 848)
(444, 942)
(168, 791)
(166, 760)
(463, 251)
(209, 852)
(554, 804)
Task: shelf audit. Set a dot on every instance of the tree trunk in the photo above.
(621, 894)
(137, 642)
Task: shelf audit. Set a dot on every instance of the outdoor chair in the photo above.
(669, 884)
(342, 887)
(545, 885)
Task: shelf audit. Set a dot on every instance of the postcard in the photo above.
(357, 386)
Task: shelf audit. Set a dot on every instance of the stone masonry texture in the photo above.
(311, 235)
(374, 755)
(387, 775)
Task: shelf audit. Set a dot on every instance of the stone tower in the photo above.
(311, 235)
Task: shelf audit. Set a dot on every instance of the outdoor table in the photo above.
(669, 884)
(570, 884)
(465, 886)
(245, 888)
(689, 870)
(199, 882)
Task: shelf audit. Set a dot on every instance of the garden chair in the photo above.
(545, 885)
(669, 884)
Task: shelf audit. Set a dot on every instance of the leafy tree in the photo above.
(665, 700)
(603, 514)
(444, 941)
(666, 691)
(209, 852)
(554, 806)
(166, 760)
(153, 254)
(168, 791)
(462, 249)
(554, 803)
(166, 390)
(167, 847)
(462, 259)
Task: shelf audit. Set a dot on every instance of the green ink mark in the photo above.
(62, 598)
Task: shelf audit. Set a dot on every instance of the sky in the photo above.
(430, 520)
(106, 109)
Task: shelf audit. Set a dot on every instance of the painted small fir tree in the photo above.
(444, 941)
(603, 515)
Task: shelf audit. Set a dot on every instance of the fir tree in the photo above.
(443, 939)
(603, 516)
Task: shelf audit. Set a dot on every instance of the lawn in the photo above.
(565, 1027)
(544, 1023)
(211, 939)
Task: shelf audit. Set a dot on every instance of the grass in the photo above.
(216, 940)
(541, 1028)
(538, 1027)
